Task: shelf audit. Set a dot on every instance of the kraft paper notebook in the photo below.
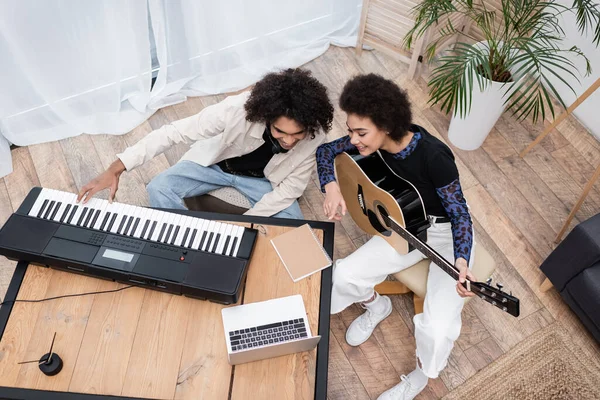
(301, 252)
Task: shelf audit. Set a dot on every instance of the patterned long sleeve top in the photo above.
(438, 183)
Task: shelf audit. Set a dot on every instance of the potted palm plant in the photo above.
(507, 58)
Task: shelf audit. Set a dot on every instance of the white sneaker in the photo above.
(402, 391)
(362, 327)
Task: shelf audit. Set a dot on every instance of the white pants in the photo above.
(436, 329)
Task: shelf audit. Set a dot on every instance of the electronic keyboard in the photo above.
(155, 249)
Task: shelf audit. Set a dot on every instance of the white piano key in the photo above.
(240, 233)
(67, 198)
(77, 213)
(232, 232)
(176, 223)
(213, 240)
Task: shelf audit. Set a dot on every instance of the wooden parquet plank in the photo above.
(370, 362)
(83, 161)
(483, 353)
(342, 380)
(106, 347)
(51, 167)
(458, 370)
(23, 178)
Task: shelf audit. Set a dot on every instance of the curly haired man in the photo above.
(262, 142)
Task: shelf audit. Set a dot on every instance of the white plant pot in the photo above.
(470, 132)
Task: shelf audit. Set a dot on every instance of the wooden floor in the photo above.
(518, 206)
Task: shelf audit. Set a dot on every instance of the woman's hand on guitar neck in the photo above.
(463, 268)
(333, 201)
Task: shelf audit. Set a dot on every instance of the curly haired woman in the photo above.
(379, 120)
(261, 142)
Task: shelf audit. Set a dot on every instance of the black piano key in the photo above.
(73, 211)
(122, 223)
(55, 210)
(175, 232)
(209, 241)
(135, 225)
(185, 235)
(143, 235)
(233, 246)
(81, 216)
(129, 222)
(96, 214)
(65, 213)
(50, 207)
(112, 222)
(227, 239)
(214, 247)
(194, 232)
(104, 221)
(162, 232)
(204, 234)
(88, 217)
(152, 229)
(168, 234)
(41, 212)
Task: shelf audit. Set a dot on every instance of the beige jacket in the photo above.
(220, 132)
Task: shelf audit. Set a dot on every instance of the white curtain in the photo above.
(84, 66)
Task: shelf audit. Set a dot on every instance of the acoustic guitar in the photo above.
(382, 203)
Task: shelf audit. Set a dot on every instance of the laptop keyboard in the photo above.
(263, 335)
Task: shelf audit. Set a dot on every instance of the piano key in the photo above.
(82, 216)
(207, 238)
(185, 236)
(49, 209)
(111, 223)
(163, 227)
(168, 234)
(105, 220)
(88, 217)
(161, 217)
(226, 245)
(238, 240)
(226, 231)
(117, 216)
(35, 209)
(55, 211)
(183, 224)
(233, 245)
(123, 219)
(136, 222)
(232, 236)
(65, 214)
(152, 229)
(143, 218)
(75, 211)
(94, 219)
(176, 225)
(42, 208)
(194, 239)
(104, 206)
(145, 229)
(66, 199)
(213, 247)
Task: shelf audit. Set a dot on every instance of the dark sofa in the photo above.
(574, 270)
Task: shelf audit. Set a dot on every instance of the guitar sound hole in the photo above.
(375, 223)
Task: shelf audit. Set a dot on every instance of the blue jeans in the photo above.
(188, 179)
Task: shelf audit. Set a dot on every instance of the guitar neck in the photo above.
(423, 248)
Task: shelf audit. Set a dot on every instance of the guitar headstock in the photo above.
(496, 296)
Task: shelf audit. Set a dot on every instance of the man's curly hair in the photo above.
(379, 99)
(292, 93)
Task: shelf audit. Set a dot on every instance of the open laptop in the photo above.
(267, 329)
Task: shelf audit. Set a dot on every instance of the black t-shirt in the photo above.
(254, 163)
(429, 166)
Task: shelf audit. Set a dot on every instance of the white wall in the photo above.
(588, 113)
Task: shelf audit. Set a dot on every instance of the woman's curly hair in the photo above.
(292, 93)
(379, 99)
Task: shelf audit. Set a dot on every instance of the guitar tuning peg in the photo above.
(488, 281)
(500, 286)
